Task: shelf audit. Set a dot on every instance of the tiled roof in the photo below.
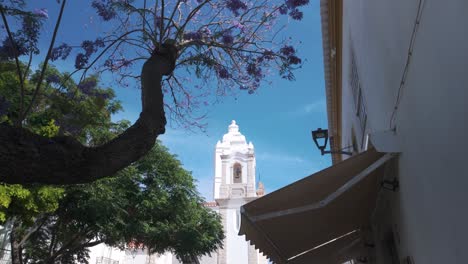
(210, 204)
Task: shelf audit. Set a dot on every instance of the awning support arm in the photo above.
(359, 177)
(281, 259)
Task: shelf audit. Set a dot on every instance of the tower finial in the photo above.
(233, 127)
(261, 189)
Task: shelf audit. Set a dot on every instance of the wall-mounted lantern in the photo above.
(320, 137)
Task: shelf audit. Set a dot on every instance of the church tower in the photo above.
(234, 166)
(234, 185)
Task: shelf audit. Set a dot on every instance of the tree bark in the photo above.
(16, 250)
(27, 158)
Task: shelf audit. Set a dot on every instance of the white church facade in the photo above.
(234, 185)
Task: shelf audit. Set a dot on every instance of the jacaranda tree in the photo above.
(191, 49)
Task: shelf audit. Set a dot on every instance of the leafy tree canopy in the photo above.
(153, 203)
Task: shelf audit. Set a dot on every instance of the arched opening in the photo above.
(237, 173)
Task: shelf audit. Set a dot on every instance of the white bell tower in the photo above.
(234, 166)
(234, 186)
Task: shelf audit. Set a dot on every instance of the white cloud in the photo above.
(318, 106)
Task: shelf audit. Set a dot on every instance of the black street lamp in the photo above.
(320, 137)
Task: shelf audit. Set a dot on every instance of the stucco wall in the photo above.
(429, 211)
(236, 245)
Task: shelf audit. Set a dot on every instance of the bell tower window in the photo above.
(237, 173)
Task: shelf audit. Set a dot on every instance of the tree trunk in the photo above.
(29, 158)
(16, 250)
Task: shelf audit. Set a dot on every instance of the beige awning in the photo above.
(317, 219)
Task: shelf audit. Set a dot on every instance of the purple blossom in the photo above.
(10, 51)
(288, 75)
(61, 52)
(104, 9)
(91, 47)
(293, 59)
(268, 55)
(41, 12)
(88, 47)
(290, 53)
(251, 88)
(254, 70)
(296, 3)
(203, 33)
(223, 73)
(287, 50)
(99, 42)
(235, 6)
(227, 38)
(283, 9)
(81, 61)
(194, 35)
(296, 14)
(109, 63)
(87, 87)
(53, 78)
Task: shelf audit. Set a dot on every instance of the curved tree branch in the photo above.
(29, 158)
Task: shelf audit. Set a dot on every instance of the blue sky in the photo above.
(277, 119)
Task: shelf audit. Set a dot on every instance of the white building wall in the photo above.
(102, 250)
(127, 257)
(237, 250)
(429, 215)
(231, 196)
(217, 172)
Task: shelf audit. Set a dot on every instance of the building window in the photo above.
(361, 111)
(237, 173)
(354, 78)
(358, 97)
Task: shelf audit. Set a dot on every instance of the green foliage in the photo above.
(153, 202)
(72, 110)
(61, 109)
(181, 224)
(27, 203)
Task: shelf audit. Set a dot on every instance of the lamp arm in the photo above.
(336, 152)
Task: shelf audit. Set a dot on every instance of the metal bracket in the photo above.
(391, 185)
